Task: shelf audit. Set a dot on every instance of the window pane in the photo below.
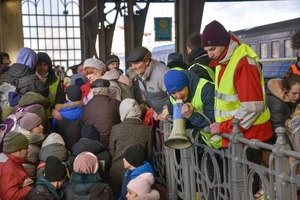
(25, 7)
(77, 32)
(41, 33)
(34, 44)
(70, 32)
(47, 6)
(25, 21)
(41, 21)
(40, 8)
(55, 21)
(288, 49)
(27, 43)
(64, 55)
(26, 32)
(49, 44)
(48, 21)
(275, 49)
(71, 44)
(63, 44)
(71, 54)
(32, 20)
(48, 32)
(56, 44)
(62, 21)
(56, 55)
(77, 44)
(55, 33)
(69, 21)
(263, 50)
(42, 44)
(33, 32)
(62, 32)
(54, 7)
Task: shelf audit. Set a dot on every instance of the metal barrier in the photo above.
(201, 172)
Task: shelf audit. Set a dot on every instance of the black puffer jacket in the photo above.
(20, 76)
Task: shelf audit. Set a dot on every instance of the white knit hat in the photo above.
(94, 63)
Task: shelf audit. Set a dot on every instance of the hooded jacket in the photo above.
(35, 98)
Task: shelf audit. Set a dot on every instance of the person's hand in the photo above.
(164, 115)
(56, 114)
(155, 116)
(215, 128)
(187, 110)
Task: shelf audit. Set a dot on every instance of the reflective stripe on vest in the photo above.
(209, 70)
(226, 99)
(52, 93)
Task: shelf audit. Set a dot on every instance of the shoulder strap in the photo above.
(27, 108)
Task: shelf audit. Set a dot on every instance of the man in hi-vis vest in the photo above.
(239, 88)
(197, 95)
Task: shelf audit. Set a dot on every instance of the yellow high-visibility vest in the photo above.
(226, 99)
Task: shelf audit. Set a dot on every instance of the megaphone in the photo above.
(178, 138)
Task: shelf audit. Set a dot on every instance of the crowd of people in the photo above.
(90, 136)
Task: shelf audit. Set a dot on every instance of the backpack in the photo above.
(100, 191)
(10, 122)
(126, 92)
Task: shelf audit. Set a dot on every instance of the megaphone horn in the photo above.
(178, 138)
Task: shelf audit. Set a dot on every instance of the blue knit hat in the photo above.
(175, 80)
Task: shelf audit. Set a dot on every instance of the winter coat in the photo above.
(35, 141)
(88, 187)
(129, 132)
(280, 106)
(35, 98)
(43, 189)
(102, 112)
(247, 84)
(131, 174)
(153, 88)
(14, 181)
(69, 127)
(199, 55)
(20, 76)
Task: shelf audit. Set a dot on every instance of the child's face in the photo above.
(131, 194)
(38, 129)
(126, 164)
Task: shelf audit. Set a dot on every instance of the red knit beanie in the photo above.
(214, 34)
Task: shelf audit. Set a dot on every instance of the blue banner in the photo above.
(163, 28)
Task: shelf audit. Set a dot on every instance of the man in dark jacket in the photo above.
(49, 186)
(101, 111)
(198, 58)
